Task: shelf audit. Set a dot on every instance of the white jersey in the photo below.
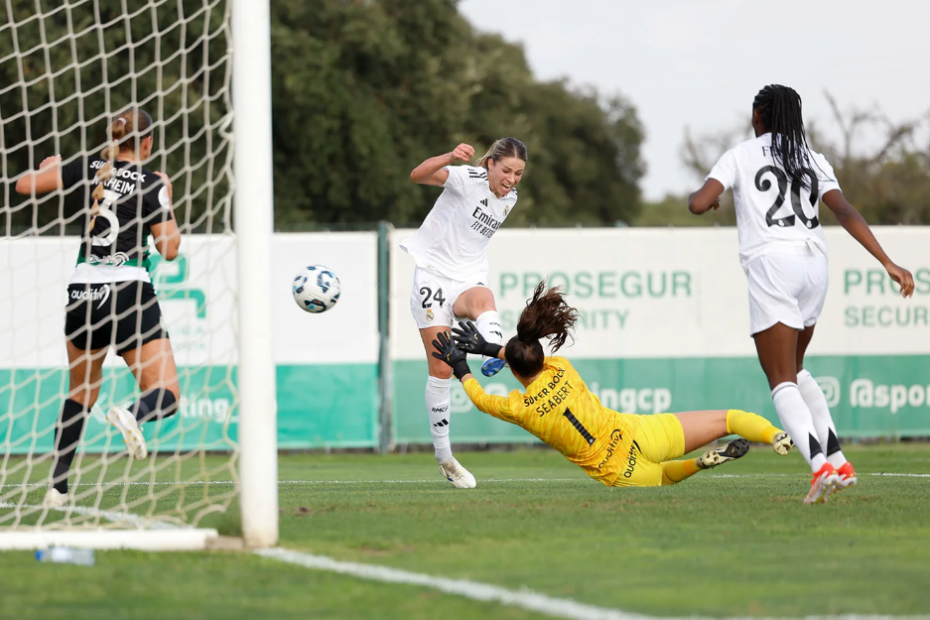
(453, 239)
(771, 210)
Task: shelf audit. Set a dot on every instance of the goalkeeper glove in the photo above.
(451, 355)
(468, 339)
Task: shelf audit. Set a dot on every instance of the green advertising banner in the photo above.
(664, 326)
(319, 406)
(327, 364)
(869, 396)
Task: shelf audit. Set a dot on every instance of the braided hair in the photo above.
(779, 109)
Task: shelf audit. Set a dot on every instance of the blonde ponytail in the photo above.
(122, 126)
(116, 132)
(483, 162)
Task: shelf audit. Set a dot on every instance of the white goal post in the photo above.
(202, 69)
(254, 226)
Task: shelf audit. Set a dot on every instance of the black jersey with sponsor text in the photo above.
(135, 199)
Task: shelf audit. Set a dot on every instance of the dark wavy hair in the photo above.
(547, 315)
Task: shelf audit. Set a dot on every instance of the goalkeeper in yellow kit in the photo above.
(618, 449)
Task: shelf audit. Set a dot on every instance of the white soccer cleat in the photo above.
(782, 443)
(460, 477)
(54, 499)
(126, 424)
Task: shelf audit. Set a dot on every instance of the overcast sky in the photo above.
(699, 63)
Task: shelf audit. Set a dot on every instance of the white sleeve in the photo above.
(458, 176)
(725, 170)
(825, 175)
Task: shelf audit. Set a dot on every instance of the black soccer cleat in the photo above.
(734, 450)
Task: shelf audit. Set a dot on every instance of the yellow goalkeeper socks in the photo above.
(750, 426)
(676, 471)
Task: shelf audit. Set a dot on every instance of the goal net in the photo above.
(66, 69)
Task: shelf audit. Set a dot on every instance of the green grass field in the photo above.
(733, 542)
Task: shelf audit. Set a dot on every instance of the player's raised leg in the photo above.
(85, 376)
(439, 410)
(146, 349)
(477, 303)
(674, 472)
(820, 412)
(703, 427)
(777, 348)
(157, 375)
(699, 428)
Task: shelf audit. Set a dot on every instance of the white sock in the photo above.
(438, 407)
(797, 420)
(489, 326)
(823, 421)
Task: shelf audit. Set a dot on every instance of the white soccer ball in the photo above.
(316, 289)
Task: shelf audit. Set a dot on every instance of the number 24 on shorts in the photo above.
(428, 292)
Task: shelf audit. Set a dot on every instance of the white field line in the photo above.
(109, 515)
(523, 598)
(905, 475)
(439, 481)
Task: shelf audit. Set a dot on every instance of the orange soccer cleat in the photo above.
(847, 476)
(825, 481)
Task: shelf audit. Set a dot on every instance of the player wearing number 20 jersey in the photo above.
(451, 278)
(772, 213)
(778, 183)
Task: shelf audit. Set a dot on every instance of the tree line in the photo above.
(362, 91)
(883, 168)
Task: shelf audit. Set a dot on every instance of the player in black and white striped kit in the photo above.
(111, 301)
(778, 183)
(451, 279)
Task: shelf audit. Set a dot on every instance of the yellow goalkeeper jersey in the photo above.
(558, 408)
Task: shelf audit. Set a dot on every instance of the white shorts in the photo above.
(786, 287)
(433, 296)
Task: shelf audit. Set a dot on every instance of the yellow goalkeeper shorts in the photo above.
(658, 438)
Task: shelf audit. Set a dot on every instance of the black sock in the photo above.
(815, 446)
(833, 444)
(67, 435)
(154, 405)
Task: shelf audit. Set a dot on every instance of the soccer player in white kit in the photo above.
(451, 279)
(778, 182)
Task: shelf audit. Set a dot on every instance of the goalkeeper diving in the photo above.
(617, 449)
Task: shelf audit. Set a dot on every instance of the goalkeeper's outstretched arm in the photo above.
(448, 352)
(469, 339)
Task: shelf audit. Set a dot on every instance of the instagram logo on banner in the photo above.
(831, 389)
